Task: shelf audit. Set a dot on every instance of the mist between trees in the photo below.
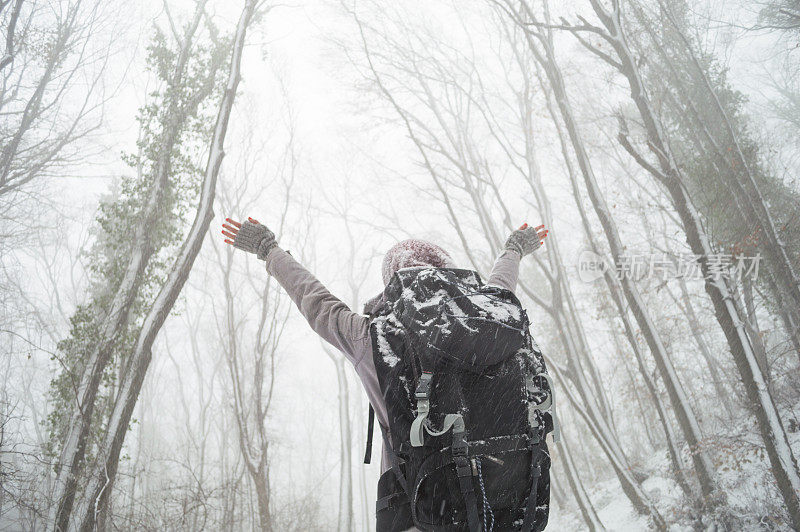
(155, 379)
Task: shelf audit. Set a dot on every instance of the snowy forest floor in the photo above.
(743, 474)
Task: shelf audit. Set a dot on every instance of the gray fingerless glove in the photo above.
(255, 238)
(524, 241)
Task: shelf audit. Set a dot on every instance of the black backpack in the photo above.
(467, 394)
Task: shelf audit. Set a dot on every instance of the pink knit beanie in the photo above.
(414, 252)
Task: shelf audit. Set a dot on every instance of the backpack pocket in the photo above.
(458, 324)
(501, 482)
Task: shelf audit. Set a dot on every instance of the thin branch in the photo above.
(8, 57)
(596, 51)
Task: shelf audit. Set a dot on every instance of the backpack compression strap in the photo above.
(460, 448)
(421, 424)
(423, 395)
(370, 430)
(464, 472)
(529, 521)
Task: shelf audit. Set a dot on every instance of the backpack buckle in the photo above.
(460, 448)
(423, 390)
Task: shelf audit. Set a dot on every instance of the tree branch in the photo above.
(8, 57)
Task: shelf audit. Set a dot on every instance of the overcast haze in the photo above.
(356, 125)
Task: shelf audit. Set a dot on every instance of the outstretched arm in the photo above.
(328, 316)
(523, 241)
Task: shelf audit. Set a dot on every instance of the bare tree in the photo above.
(251, 356)
(686, 418)
(718, 285)
(355, 280)
(11, 26)
(345, 510)
(616, 292)
(48, 106)
(588, 511)
(97, 492)
(699, 99)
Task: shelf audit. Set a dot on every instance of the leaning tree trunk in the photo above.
(718, 285)
(605, 437)
(616, 291)
(683, 411)
(735, 175)
(745, 186)
(685, 304)
(557, 493)
(672, 442)
(588, 512)
(72, 454)
(569, 323)
(560, 287)
(570, 328)
(654, 441)
(101, 481)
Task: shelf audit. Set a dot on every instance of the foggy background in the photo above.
(355, 125)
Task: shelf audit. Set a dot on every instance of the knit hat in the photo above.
(407, 254)
(414, 252)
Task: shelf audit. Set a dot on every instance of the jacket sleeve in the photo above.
(328, 316)
(505, 270)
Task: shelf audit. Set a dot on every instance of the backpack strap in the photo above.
(459, 454)
(529, 521)
(393, 461)
(370, 430)
(423, 395)
(460, 450)
(387, 501)
(421, 424)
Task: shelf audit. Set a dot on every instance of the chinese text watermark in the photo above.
(592, 266)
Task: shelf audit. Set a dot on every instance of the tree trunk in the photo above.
(615, 291)
(654, 442)
(679, 401)
(261, 483)
(74, 446)
(702, 346)
(345, 519)
(101, 480)
(746, 188)
(718, 287)
(588, 512)
(572, 335)
(736, 176)
(630, 486)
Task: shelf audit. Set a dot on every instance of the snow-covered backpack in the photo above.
(469, 404)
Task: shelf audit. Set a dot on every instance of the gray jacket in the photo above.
(348, 331)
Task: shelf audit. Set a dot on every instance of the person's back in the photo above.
(349, 331)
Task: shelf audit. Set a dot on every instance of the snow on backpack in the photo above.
(469, 403)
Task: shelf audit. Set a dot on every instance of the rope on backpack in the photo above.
(487, 508)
